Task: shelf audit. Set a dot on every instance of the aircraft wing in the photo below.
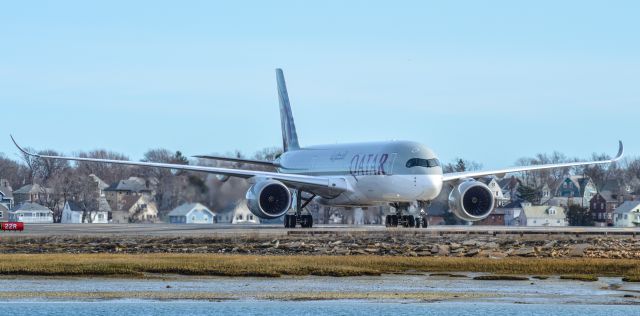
(476, 174)
(292, 180)
(241, 160)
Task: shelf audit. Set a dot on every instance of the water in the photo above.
(82, 296)
(341, 307)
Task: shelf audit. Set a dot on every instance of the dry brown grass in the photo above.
(273, 266)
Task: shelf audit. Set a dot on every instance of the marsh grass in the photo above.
(501, 278)
(580, 277)
(137, 265)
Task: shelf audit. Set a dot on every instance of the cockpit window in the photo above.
(418, 162)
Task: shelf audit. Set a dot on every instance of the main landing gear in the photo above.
(399, 219)
(304, 220)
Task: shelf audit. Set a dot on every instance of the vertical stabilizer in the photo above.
(289, 135)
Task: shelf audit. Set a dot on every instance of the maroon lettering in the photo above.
(383, 160)
(354, 165)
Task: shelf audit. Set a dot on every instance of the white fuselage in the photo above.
(376, 173)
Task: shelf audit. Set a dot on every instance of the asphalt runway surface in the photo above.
(278, 230)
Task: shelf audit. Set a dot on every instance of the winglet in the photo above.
(620, 151)
(22, 149)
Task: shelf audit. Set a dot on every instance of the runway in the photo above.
(278, 230)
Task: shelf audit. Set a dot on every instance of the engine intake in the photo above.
(268, 199)
(471, 201)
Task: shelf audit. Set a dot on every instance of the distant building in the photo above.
(627, 214)
(602, 210)
(242, 215)
(133, 186)
(32, 193)
(4, 213)
(578, 190)
(29, 212)
(509, 187)
(135, 209)
(542, 215)
(73, 213)
(496, 190)
(191, 213)
(496, 218)
(6, 194)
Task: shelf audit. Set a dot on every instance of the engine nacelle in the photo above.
(268, 199)
(471, 201)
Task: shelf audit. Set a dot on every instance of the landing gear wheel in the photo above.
(291, 220)
(411, 221)
(387, 221)
(306, 221)
(418, 222)
(286, 221)
(425, 222)
(394, 220)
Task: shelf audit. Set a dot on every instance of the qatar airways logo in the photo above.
(368, 164)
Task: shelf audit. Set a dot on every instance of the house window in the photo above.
(1, 214)
(240, 217)
(625, 216)
(193, 218)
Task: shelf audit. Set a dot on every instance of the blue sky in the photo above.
(489, 81)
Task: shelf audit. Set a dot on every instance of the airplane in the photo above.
(397, 173)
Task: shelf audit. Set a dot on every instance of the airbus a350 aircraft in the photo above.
(356, 175)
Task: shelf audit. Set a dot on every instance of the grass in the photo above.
(137, 265)
(501, 278)
(631, 278)
(580, 277)
(540, 277)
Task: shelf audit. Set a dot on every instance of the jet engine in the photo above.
(471, 200)
(268, 199)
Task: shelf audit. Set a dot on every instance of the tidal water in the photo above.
(245, 296)
(340, 307)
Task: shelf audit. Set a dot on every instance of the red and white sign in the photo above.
(12, 226)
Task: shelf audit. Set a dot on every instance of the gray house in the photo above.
(28, 212)
(191, 213)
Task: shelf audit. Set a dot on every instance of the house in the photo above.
(29, 212)
(133, 186)
(496, 218)
(4, 213)
(542, 215)
(510, 213)
(509, 187)
(578, 190)
(135, 209)
(627, 214)
(496, 190)
(32, 193)
(6, 194)
(74, 213)
(191, 213)
(602, 208)
(242, 215)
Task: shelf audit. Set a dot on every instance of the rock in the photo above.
(454, 246)
(578, 250)
(435, 249)
(549, 245)
(472, 252)
(524, 252)
(490, 245)
(412, 254)
(277, 244)
(443, 250)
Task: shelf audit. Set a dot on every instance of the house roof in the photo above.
(626, 207)
(132, 184)
(543, 211)
(74, 206)
(101, 184)
(32, 189)
(3, 208)
(184, 209)
(6, 191)
(128, 201)
(30, 206)
(509, 183)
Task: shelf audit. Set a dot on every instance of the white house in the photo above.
(627, 214)
(242, 215)
(29, 212)
(191, 213)
(496, 191)
(542, 215)
(73, 213)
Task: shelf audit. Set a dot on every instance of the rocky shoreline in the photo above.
(382, 244)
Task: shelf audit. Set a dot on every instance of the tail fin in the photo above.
(289, 135)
